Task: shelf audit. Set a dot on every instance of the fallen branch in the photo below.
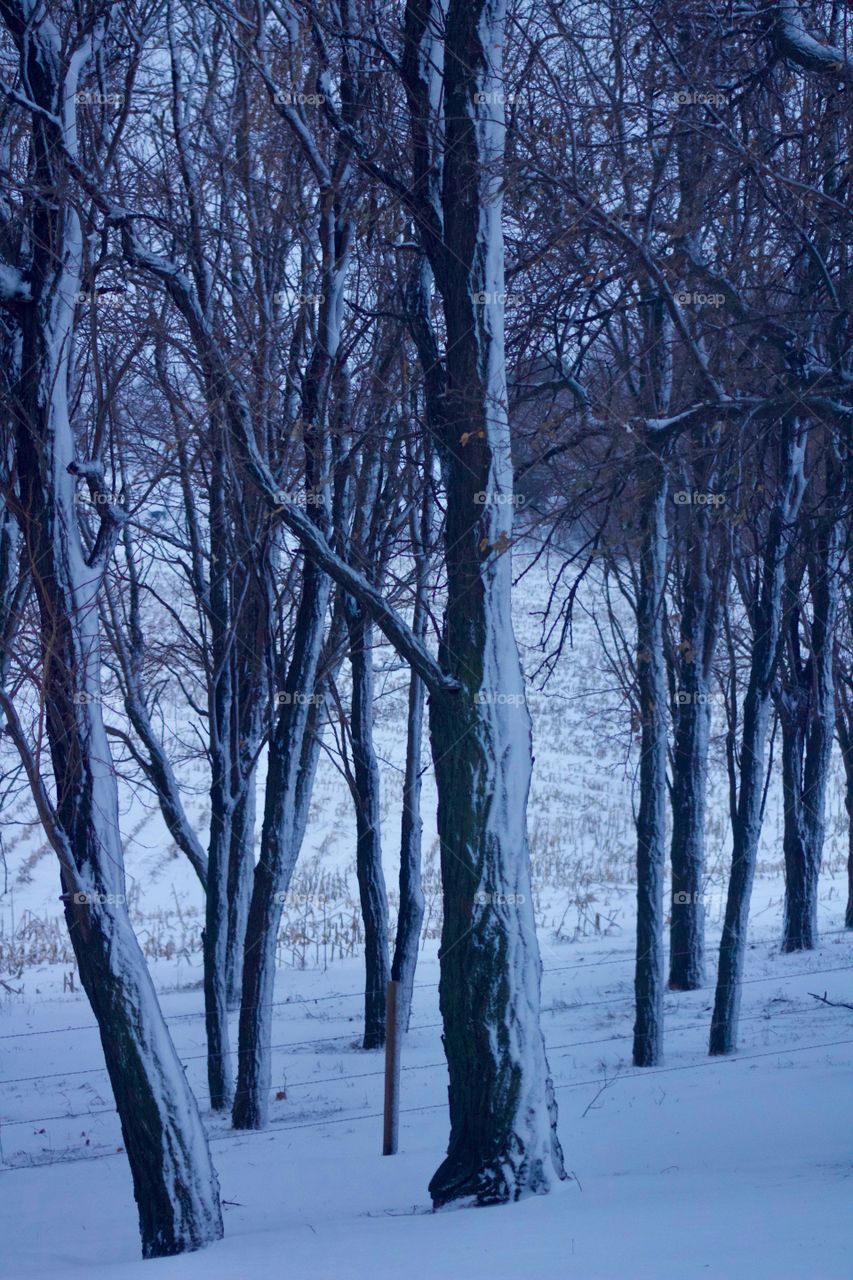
(835, 1004)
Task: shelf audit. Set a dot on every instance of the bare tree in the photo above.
(174, 1182)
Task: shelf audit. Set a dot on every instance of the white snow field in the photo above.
(731, 1168)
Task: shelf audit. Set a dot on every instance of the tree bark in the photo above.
(765, 618)
(371, 879)
(807, 712)
(651, 817)
(241, 867)
(701, 600)
(293, 754)
(222, 747)
(175, 1186)
(503, 1141)
(411, 913)
(844, 727)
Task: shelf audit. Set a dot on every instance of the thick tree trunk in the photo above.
(503, 1141)
(371, 879)
(766, 624)
(174, 1182)
(502, 1113)
(651, 817)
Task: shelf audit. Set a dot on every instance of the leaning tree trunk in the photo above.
(174, 1182)
(293, 755)
(368, 817)
(766, 621)
(503, 1142)
(651, 816)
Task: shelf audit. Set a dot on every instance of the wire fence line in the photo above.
(235, 1137)
(428, 1026)
(628, 958)
(340, 1078)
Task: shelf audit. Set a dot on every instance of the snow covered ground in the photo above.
(729, 1168)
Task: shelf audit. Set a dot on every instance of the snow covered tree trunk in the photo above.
(651, 816)
(368, 816)
(290, 771)
(808, 725)
(411, 913)
(503, 1141)
(294, 748)
(174, 1182)
(845, 741)
(766, 624)
(241, 868)
(221, 696)
(215, 947)
(255, 576)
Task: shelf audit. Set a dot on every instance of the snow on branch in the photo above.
(13, 286)
(795, 43)
(112, 517)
